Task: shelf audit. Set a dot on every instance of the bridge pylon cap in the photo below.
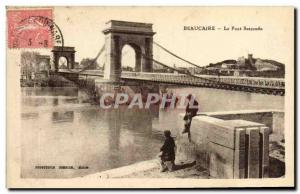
(128, 27)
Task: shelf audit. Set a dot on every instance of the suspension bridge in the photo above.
(140, 37)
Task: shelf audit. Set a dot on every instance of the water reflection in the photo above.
(29, 115)
(114, 125)
(135, 143)
(69, 132)
(66, 116)
(59, 128)
(55, 102)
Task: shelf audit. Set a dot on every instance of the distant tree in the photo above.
(28, 63)
(88, 63)
(29, 58)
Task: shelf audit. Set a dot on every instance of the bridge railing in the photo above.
(274, 83)
(163, 77)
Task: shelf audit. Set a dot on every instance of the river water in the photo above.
(61, 127)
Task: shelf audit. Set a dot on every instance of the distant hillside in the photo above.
(280, 65)
(255, 67)
(229, 61)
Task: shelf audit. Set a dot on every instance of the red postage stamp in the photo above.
(30, 28)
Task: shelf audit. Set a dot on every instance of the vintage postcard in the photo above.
(150, 97)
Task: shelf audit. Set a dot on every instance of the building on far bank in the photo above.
(195, 70)
(254, 67)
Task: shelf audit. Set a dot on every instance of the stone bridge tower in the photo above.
(67, 53)
(119, 33)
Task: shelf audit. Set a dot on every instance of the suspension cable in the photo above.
(175, 69)
(164, 65)
(92, 62)
(173, 54)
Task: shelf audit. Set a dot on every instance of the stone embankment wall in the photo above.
(230, 144)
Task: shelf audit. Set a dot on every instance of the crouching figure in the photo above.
(167, 153)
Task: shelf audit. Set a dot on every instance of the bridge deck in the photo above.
(195, 80)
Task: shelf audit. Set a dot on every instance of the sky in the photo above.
(82, 28)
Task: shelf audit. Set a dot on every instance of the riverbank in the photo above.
(50, 81)
(151, 168)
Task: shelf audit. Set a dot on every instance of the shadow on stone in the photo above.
(183, 166)
(277, 168)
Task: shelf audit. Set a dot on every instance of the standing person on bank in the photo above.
(190, 111)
